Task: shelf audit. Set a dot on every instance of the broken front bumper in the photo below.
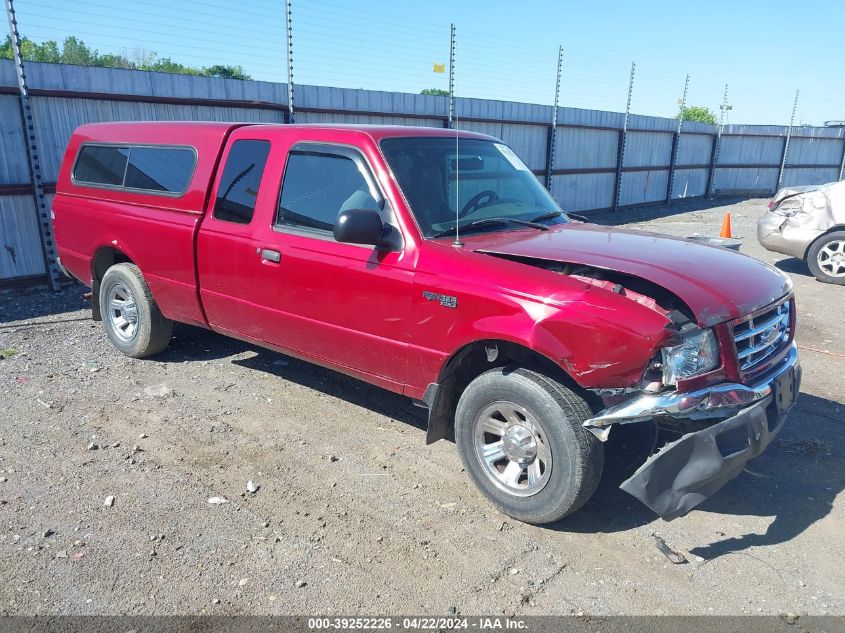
(686, 472)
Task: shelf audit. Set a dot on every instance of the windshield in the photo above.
(446, 183)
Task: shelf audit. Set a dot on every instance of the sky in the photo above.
(763, 51)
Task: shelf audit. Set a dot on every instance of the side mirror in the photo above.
(360, 226)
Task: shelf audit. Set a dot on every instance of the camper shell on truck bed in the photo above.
(433, 263)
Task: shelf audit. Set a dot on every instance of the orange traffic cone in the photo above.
(726, 226)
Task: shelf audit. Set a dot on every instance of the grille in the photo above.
(761, 336)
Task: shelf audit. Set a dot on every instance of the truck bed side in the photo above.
(97, 226)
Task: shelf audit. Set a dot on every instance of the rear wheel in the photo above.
(134, 324)
(520, 437)
(826, 258)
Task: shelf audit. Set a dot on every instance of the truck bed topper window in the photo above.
(164, 170)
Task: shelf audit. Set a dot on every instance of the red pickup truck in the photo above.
(432, 263)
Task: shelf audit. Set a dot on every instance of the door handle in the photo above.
(271, 255)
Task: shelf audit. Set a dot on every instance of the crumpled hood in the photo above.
(823, 206)
(788, 192)
(716, 283)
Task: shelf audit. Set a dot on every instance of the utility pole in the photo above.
(676, 140)
(717, 145)
(623, 139)
(550, 161)
(289, 55)
(48, 243)
(786, 142)
(451, 121)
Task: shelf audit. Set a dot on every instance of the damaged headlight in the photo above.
(698, 353)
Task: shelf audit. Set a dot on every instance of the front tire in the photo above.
(134, 324)
(520, 437)
(826, 258)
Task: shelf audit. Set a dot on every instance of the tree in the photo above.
(46, 52)
(436, 92)
(227, 72)
(114, 61)
(167, 65)
(700, 114)
(74, 51)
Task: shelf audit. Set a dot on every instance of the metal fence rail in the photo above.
(587, 169)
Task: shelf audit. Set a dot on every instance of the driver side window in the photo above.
(317, 186)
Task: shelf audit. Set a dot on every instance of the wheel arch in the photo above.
(469, 362)
(104, 258)
(832, 229)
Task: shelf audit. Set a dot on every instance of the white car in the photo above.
(808, 223)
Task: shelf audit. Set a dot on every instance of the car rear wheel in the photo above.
(826, 258)
(134, 324)
(520, 437)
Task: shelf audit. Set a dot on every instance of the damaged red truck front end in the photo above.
(433, 263)
(675, 291)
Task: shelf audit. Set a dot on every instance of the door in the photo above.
(292, 285)
(345, 303)
(226, 245)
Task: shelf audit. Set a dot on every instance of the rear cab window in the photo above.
(160, 170)
(237, 191)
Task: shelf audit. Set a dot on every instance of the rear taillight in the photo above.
(771, 204)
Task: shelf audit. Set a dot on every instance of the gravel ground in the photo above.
(107, 466)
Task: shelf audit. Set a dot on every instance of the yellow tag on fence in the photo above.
(439, 68)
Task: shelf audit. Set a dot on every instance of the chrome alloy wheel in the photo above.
(122, 312)
(512, 449)
(831, 258)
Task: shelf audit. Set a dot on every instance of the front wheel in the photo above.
(520, 438)
(826, 258)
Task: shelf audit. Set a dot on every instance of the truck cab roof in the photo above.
(187, 132)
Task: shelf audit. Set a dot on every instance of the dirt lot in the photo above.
(354, 512)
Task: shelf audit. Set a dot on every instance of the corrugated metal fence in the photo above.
(587, 159)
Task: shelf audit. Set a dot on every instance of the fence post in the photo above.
(289, 54)
(45, 226)
(623, 139)
(676, 139)
(717, 145)
(786, 143)
(842, 163)
(714, 146)
(550, 152)
(451, 121)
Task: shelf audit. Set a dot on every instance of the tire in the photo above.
(826, 258)
(134, 324)
(529, 413)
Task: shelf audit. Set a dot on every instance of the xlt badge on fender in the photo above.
(445, 300)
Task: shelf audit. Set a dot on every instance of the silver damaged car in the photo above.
(808, 223)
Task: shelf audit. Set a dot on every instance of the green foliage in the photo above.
(46, 52)
(700, 114)
(167, 65)
(6, 48)
(75, 51)
(437, 92)
(227, 72)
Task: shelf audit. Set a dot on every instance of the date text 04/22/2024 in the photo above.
(417, 623)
